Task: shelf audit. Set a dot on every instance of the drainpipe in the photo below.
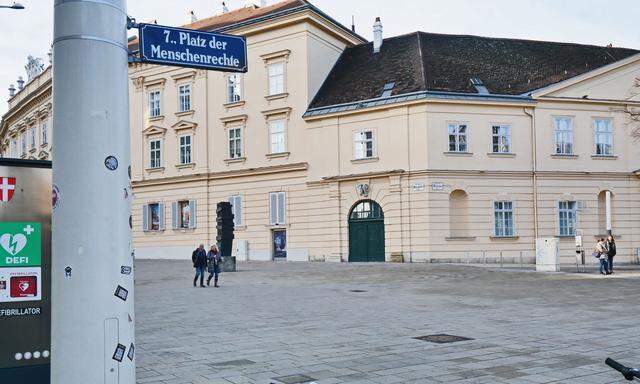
(534, 168)
(409, 183)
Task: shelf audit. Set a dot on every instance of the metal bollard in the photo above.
(500, 259)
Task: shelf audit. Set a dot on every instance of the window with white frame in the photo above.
(23, 143)
(155, 153)
(185, 149)
(235, 143)
(43, 133)
(276, 78)
(234, 88)
(363, 145)
(236, 209)
(277, 208)
(563, 132)
(458, 139)
(567, 213)
(503, 219)
(277, 140)
(501, 138)
(603, 137)
(154, 104)
(184, 98)
(32, 135)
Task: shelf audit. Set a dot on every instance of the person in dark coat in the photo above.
(611, 247)
(213, 262)
(199, 258)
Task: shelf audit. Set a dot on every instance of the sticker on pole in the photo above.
(20, 244)
(20, 284)
(56, 197)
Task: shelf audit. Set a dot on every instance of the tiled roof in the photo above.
(248, 14)
(430, 62)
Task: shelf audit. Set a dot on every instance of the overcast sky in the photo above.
(597, 22)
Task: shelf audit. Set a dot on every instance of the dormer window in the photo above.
(387, 89)
(479, 86)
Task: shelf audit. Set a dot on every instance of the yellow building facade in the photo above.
(332, 148)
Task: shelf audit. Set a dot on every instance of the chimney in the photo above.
(12, 90)
(353, 24)
(255, 3)
(50, 55)
(223, 7)
(192, 17)
(20, 82)
(377, 35)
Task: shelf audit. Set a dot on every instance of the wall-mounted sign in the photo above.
(22, 284)
(20, 244)
(437, 186)
(7, 188)
(193, 49)
(418, 186)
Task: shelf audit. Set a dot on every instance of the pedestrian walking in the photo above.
(600, 253)
(611, 252)
(199, 258)
(213, 261)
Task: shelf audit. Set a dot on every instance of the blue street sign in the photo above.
(194, 49)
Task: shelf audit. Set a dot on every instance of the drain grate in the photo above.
(357, 290)
(294, 379)
(231, 363)
(442, 338)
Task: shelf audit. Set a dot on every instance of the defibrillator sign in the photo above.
(20, 244)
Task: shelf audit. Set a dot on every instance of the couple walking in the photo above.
(206, 260)
(605, 252)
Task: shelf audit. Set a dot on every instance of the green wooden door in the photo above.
(366, 233)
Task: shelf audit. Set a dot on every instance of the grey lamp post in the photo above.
(13, 6)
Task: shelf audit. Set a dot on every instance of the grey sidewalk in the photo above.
(273, 320)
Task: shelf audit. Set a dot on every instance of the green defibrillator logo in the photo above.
(20, 244)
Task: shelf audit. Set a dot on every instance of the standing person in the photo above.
(611, 252)
(199, 258)
(213, 260)
(601, 254)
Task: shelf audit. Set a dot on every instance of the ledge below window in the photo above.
(560, 156)
(499, 154)
(277, 96)
(604, 157)
(234, 104)
(240, 228)
(460, 238)
(277, 155)
(235, 160)
(185, 166)
(156, 118)
(156, 169)
(185, 113)
(365, 160)
(504, 237)
(461, 154)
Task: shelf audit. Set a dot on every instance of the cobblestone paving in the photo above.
(301, 321)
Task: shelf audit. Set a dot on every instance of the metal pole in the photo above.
(500, 259)
(92, 324)
(608, 210)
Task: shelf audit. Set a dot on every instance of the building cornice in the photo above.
(294, 167)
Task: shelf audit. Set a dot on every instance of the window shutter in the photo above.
(145, 217)
(237, 211)
(281, 208)
(192, 214)
(161, 216)
(174, 215)
(273, 208)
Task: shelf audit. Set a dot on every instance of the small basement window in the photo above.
(387, 89)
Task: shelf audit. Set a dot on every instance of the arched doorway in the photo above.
(366, 232)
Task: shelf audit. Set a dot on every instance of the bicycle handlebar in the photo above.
(628, 373)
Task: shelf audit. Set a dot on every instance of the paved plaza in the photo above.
(358, 323)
